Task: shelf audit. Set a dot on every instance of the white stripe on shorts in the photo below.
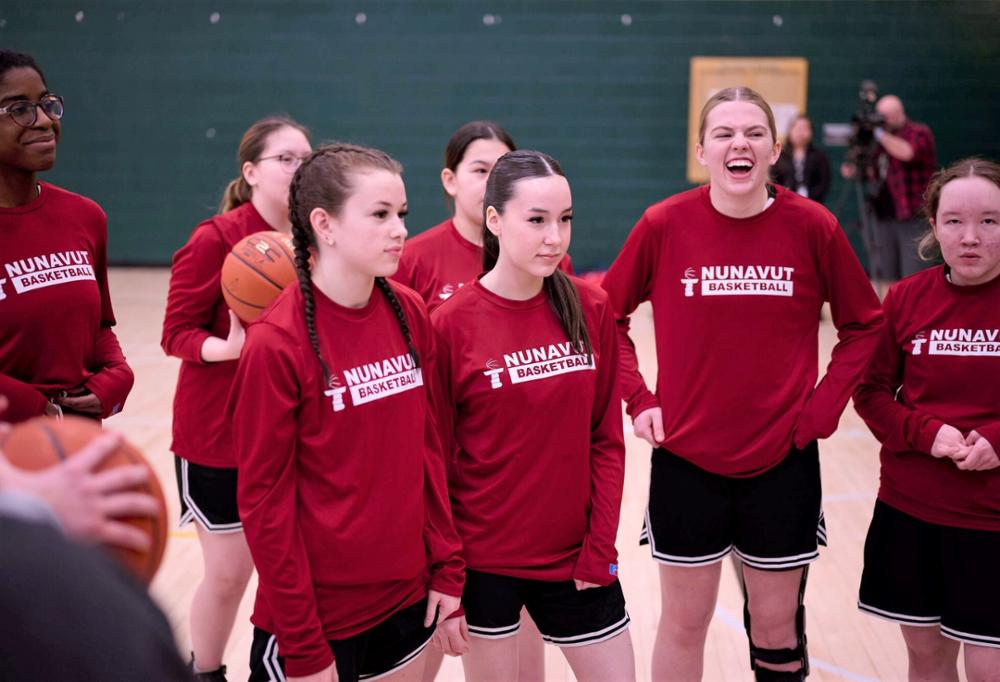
(495, 633)
(270, 660)
(969, 638)
(591, 637)
(901, 618)
(200, 515)
(775, 563)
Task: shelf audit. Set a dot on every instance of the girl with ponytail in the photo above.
(534, 431)
(200, 330)
(342, 488)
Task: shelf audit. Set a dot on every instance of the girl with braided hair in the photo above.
(342, 487)
(200, 329)
(529, 361)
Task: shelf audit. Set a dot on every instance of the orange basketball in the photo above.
(256, 271)
(43, 442)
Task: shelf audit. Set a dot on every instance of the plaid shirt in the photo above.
(907, 180)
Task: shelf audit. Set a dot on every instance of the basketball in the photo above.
(43, 442)
(256, 271)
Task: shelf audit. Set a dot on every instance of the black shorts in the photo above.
(773, 521)
(208, 495)
(374, 653)
(564, 615)
(923, 574)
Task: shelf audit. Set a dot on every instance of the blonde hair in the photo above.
(739, 94)
(928, 247)
(252, 145)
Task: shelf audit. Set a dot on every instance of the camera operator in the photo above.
(902, 162)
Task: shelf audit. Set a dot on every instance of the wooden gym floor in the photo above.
(843, 643)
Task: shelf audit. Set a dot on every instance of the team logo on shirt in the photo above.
(537, 363)
(493, 371)
(739, 280)
(448, 289)
(958, 341)
(38, 272)
(336, 393)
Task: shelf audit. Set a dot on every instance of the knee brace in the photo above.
(797, 654)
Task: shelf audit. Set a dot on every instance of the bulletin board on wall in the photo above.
(782, 81)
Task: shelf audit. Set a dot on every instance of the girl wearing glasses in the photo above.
(61, 355)
(201, 330)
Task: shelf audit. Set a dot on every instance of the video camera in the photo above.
(862, 143)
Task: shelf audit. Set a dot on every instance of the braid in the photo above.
(565, 300)
(303, 238)
(323, 180)
(383, 284)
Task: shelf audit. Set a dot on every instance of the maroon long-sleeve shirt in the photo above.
(55, 309)
(342, 488)
(736, 306)
(537, 457)
(937, 362)
(196, 310)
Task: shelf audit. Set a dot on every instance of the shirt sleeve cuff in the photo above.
(926, 435)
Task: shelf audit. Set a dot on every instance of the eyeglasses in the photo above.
(25, 113)
(289, 162)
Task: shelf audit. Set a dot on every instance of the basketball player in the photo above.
(201, 330)
(57, 350)
(737, 272)
(932, 397)
(529, 370)
(342, 486)
(446, 257)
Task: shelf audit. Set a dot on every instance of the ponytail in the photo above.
(237, 193)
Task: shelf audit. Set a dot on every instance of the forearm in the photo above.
(113, 379)
(895, 146)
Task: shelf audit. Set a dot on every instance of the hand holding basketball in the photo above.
(102, 491)
(215, 349)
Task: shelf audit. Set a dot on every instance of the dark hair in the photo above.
(252, 145)
(324, 180)
(16, 60)
(928, 247)
(465, 136)
(740, 94)
(511, 168)
(469, 133)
